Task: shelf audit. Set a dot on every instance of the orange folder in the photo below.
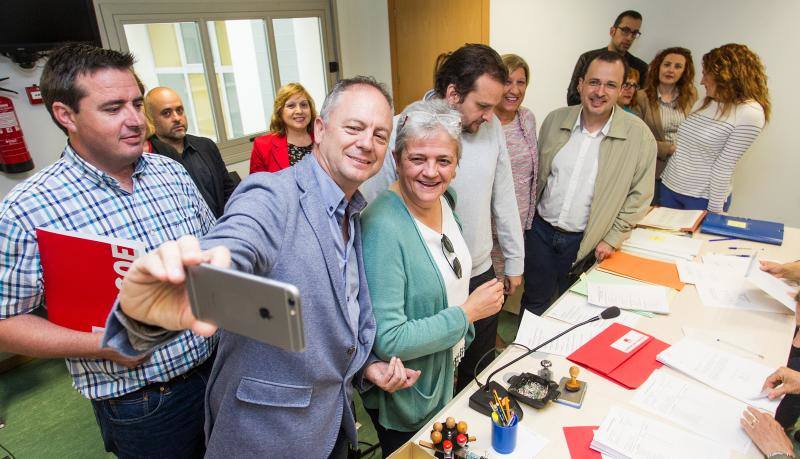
(643, 269)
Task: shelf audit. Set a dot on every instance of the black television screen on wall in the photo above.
(39, 25)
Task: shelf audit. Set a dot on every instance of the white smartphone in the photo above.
(263, 309)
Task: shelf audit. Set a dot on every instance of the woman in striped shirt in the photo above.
(713, 138)
(666, 99)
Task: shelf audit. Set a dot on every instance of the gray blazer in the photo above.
(262, 401)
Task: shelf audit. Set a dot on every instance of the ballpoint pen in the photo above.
(744, 349)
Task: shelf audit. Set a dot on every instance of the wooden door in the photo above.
(420, 30)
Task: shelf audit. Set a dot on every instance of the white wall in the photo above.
(363, 29)
(44, 140)
(551, 36)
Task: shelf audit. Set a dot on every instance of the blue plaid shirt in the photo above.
(73, 195)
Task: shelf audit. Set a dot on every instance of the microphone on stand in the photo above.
(479, 401)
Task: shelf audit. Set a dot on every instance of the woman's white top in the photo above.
(457, 289)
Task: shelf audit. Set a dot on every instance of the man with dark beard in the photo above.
(199, 155)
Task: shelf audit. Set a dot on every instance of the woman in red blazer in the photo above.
(291, 131)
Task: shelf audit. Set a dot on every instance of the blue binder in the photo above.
(743, 228)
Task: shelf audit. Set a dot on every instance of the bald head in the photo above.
(164, 109)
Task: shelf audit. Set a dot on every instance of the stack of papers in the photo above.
(643, 269)
(661, 245)
(601, 277)
(673, 219)
(737, 340)
(696, 408)
(731, 374)
(624, 434)
(535, 330)
(651, 298)
(573, 308)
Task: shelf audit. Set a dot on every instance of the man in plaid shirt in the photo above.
(104, 185)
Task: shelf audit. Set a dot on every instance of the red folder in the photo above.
(578, 440)
(621, 354)
(82, 274)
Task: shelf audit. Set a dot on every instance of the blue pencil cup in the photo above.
(504, 439)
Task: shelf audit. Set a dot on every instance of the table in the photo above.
(773, 332)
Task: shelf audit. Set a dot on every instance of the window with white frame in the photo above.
(226, 64)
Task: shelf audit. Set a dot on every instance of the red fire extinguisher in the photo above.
(14, 155)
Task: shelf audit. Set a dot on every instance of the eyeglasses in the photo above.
(448, 246)
(426, 117)
(627, 85)
(612, 85)
(627, 31)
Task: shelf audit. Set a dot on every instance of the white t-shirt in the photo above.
(567, 198)
(457, 289)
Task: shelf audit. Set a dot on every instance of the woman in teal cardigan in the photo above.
(418, 269)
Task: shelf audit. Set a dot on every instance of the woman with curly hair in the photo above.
(291, 131)
(713, 138)
(666, 100)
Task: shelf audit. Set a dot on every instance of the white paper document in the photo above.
(688, 270)
(661, 245)
(625, 434)
(721, 287)
(534, 330)
(695, 407)
(774, 287)
(738, 341)
(573, 308)
(650, 298)
(671, 219)
(732, 264)
(529, 444)
(734, 375)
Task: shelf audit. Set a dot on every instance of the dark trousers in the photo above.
(674, 200)
(161, 420)
(485, 336)
(391, 440)
(656, 193)
(549, 254)
(341, 448)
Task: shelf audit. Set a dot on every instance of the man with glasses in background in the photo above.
(625, 30)
(596, 174)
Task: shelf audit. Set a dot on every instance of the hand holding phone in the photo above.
(253, 306)
(154, 289)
